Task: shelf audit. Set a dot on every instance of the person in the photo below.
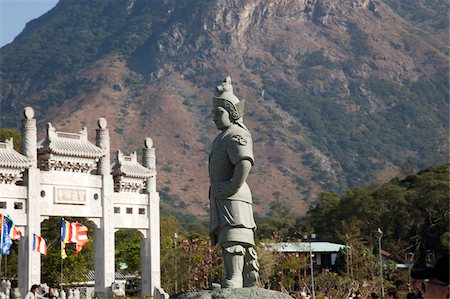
(392, 294)
(435, 280)
(414, 295)
(51, 293)
(231, 214)
(374, 296)
(33, 293)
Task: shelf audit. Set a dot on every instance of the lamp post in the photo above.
(409, 260)
(309, 237)
(175, 241)
(380, 235)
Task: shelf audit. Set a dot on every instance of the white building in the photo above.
(67, 175)
(325, 253)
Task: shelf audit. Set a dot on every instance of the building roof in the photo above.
(69, 144)
(392, 256)
(304, 247)
(128, 166)
(9, 158)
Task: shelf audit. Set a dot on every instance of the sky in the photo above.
(14, 14)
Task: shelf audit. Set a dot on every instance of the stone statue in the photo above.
(231, 216)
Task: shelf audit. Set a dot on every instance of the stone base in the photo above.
(247, 293)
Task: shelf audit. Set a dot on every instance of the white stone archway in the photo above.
(66, 175)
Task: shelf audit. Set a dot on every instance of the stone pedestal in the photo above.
(247, 293)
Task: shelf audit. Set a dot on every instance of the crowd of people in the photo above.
(36, 292)
(43, 292)
(430, 283)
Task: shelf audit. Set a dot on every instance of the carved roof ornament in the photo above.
(102, 123)
(12, 164)
(148, 142)
(28, 112)
(227, 100)
(69, 144)
(68, 151)
(128, 174)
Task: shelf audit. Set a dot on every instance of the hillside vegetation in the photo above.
(412, 212)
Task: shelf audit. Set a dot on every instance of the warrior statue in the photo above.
(231, 216)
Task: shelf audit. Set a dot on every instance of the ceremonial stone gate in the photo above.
(66, 175)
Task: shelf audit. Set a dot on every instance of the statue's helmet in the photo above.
(228, 100)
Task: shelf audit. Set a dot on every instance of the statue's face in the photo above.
(221, 118)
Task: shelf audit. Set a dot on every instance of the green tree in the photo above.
(325, 209)
(73, 268)
(128, 251)
(413, 213)
(428, 194)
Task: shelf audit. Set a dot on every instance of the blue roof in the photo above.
(304, 247)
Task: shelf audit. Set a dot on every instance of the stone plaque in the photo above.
(70, 196)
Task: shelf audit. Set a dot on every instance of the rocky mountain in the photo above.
(340, 93)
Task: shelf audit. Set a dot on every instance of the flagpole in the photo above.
(60, 285)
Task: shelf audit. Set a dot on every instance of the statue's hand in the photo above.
(224, 189)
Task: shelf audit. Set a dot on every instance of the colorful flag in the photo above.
(5, 238)
(39, 244)
(81, 237)
(65, 236)
(63, 250)
(73, 232)
(14, 232)
(65, 231)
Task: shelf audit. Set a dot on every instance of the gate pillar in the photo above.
(104, 233)
(150, 250)
(29, 261)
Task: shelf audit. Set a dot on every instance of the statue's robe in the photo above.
(231, 218)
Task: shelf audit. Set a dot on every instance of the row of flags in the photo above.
(71, 232)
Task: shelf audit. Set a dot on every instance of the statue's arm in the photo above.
(240, 174)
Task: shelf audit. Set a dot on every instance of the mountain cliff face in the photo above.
(339, 93)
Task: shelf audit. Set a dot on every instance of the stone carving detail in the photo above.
(12, 164)
(28, 146)
(129, 175)
(72, 165)
(71, 152)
